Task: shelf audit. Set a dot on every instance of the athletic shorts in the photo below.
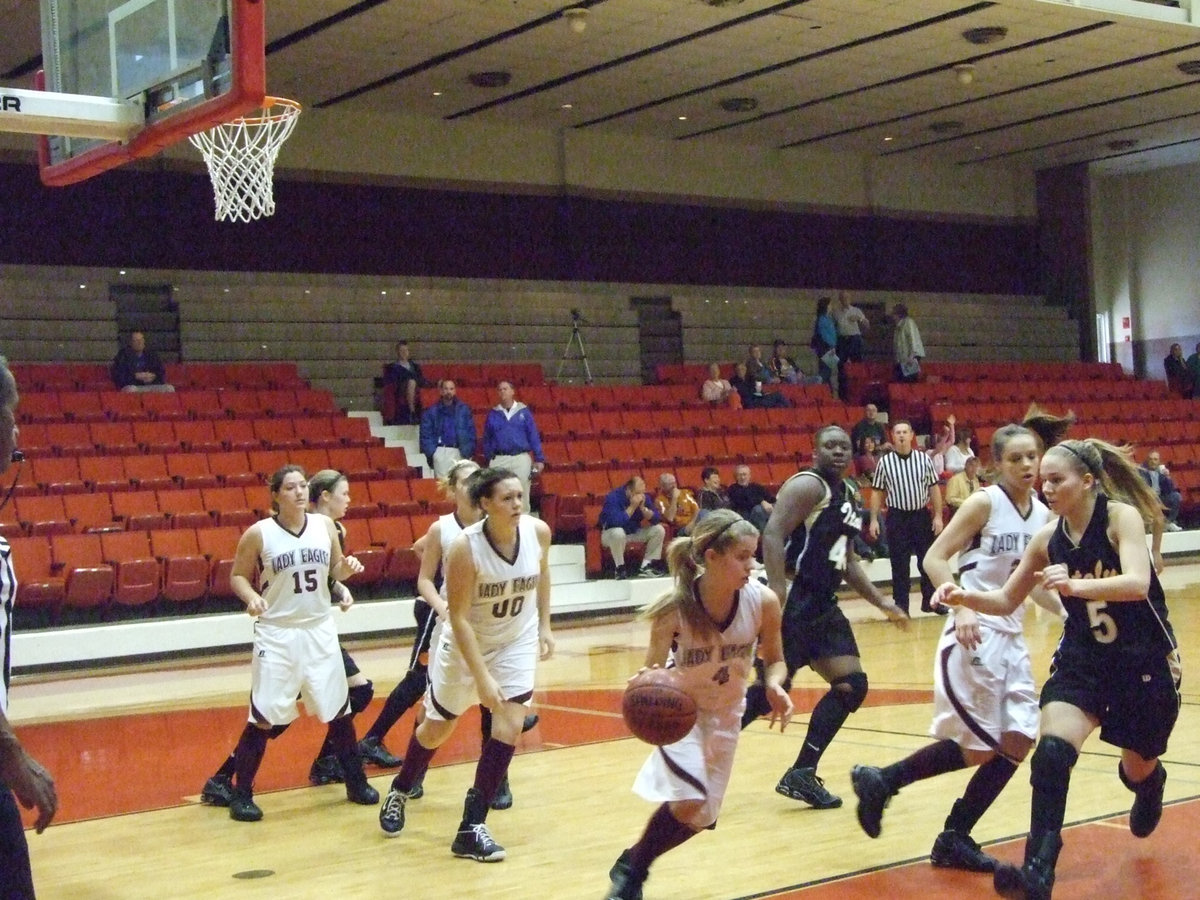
(825, 636)
(287, 661)
(1136, 701)
(694, 768)
(426, 621)
(452, 691)
(980, 694)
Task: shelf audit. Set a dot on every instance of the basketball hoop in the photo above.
(241, 159)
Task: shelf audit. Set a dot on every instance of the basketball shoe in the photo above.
(804, 784)
(1147, 800)
(372, 750)
(475, 842)
(391, 813)
(955, 850)
(242, 807)
(326, 770)
(218, 791)
(625, 885)
(874, 794)
(503, 798)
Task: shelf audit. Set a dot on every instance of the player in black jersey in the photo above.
(816, 511)
(1117, 665)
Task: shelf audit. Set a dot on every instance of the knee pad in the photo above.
(1052, 762)
(850, 690)
(276, 730)
(360, 696)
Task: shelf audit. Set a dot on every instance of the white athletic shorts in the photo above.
(451, 690)
(988, 689)
(288, 661)
(694, 768)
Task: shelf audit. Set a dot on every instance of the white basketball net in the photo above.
(241, 159)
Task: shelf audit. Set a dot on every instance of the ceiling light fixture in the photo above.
(494, 79)
(988, 34)
(577, 18)
(964, 73)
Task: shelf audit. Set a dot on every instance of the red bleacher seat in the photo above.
(219, 546)
(202, 404)
(148, 472)
(165, 406)
(185, 507)
(395, 535)
(231, 506)
(39, 407)
(88, 579)
(113, 437)
(157, 437)
(104, 473)
(190, 470)
(353, 431)
(392, 496)
(241, 404)
(57, 474)
(236, 434)
(389, 462)
(81, 406)
(277, 434)
(137, 574)
(70, 438)
(40, 586)
(233, 468)
(139, 510)
(184, 568)
(91, 512)
(125, 406)
(42, 515)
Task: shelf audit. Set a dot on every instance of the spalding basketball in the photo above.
(657, 709)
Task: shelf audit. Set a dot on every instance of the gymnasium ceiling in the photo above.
(1059, 83)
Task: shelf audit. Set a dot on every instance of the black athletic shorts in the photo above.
(348, 661)
(822, 637)
(1136, 702)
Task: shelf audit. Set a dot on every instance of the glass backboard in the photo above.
(189, 64)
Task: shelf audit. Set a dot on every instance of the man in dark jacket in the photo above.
(447, 431)
(137, 369)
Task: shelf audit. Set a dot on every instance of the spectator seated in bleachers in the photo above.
(447, 431)
(712, 495)
(676, 506)
(136, 368)
(718, 391)
(963, 484)
(751, 393)
(1158, 476)
(750, 500)
(627, 516)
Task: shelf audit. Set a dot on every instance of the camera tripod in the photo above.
(576, 338)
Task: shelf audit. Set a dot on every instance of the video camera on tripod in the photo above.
(576, 339)
(577, 317)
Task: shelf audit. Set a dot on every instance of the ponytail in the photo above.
(717, 531)
(1116, 472)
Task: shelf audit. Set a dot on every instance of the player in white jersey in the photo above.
(985, 700)
(498, 599)
(281, 572)
(21, 776)
(708, 627)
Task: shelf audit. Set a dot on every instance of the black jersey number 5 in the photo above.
(508, 607)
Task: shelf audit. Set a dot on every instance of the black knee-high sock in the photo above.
(416, 763)
(1050, 778)
(227, 767)
(491, 768)
(935, 759)
(248, 756)
(827, 717)
(663, 832)
(485, 725)
(399, 701)
(982, 790)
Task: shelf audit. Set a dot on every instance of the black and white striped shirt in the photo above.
(8, 596)
(906, 479)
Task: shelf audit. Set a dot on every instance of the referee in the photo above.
(21, 776)
(908, 479)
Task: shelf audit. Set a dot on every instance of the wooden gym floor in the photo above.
(130, 751)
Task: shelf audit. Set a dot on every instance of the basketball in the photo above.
(656, 709)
